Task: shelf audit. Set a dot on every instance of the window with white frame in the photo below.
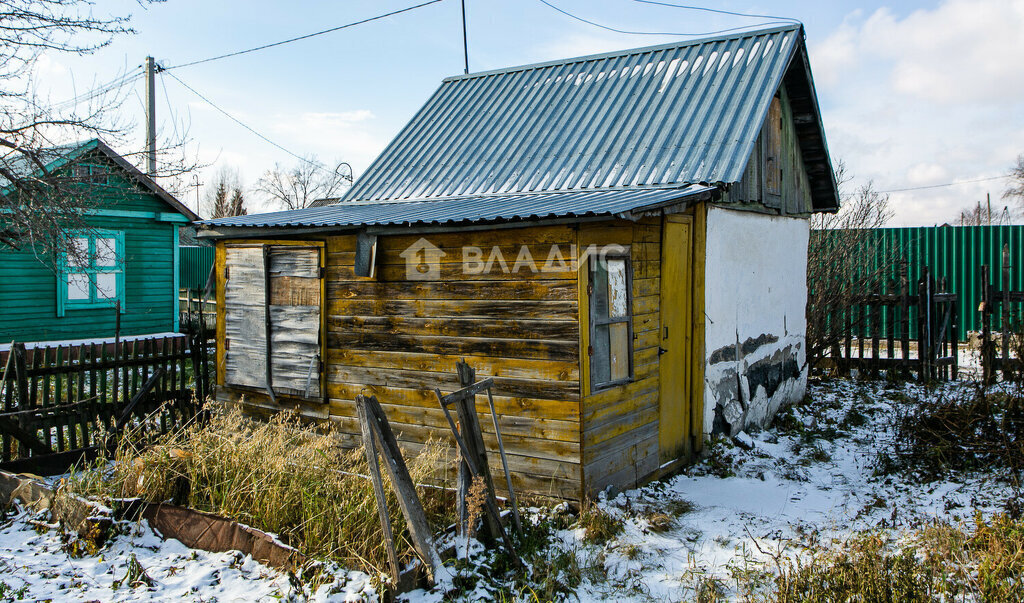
(611, 320)
(92, 272)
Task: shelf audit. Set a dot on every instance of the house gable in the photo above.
(776, 177)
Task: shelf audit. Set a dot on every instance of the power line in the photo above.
(658, 33)
(123, 80)
(170, 109)
(246, 126)
(716, 10)
(919, 188)
(318, 33)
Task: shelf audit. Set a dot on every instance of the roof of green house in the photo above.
(586, 135)
(54, 158)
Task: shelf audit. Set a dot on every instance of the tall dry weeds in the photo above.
(281, 476)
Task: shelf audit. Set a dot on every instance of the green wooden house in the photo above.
(131, 240)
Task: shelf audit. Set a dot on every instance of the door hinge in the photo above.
(590, 289)
(590, 350)
(322, 273)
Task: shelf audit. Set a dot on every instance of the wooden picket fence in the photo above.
(63, 403)
(877, 333)
(1007, 304)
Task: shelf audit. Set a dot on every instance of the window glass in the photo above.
(78, 286)
(106, 252)
(611, 346)
(106, 285)
(79, 254)
(616, 268)
(599, 289)
(600, 368)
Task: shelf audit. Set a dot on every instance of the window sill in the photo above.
(610, 385)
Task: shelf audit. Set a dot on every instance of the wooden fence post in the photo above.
(20, 375)
(1004, 308)
(987, 357)
(904, 313)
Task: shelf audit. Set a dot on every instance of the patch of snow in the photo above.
(36, 562)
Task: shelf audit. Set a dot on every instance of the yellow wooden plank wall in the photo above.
(620, 424)
(398, 339)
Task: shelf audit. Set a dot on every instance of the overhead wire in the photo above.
(919, 188)
(170, 109)
(313, 164)
(88, 95)
(718, 10)
(659, 33)
(304, 37)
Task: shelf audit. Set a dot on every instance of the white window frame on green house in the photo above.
(80, 287)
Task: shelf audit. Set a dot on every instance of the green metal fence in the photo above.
(194, 264)
(956, 253)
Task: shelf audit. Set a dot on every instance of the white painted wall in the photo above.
(755, 293)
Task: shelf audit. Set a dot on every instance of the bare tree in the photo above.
(40, 209)
(844, 261)
(308, 181)
(1016, 189)
(226, 198)
(981, 214)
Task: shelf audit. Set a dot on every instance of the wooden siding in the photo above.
(399, 338)
(794, 186)
(28, 296)
(620, 424)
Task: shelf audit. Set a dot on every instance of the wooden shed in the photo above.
(130, 236)
(619, 240)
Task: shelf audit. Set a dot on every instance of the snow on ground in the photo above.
(785, 491)
(36, 564)
(811, 478)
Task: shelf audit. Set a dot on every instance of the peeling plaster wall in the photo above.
(755, 293)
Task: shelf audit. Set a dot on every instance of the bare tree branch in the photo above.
(300, 186)
(844, 261)
(41, 210)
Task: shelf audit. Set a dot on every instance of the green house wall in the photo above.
(28, 287)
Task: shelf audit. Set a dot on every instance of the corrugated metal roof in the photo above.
(672, 114)
(468, 209)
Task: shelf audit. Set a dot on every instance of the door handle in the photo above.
(661, 350)
(665, 336)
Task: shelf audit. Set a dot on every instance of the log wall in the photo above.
(398, 338)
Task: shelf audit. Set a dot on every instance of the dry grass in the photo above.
(281, 476)
(969, 430)
(598, 525)
(941, 562)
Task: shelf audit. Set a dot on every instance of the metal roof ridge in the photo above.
(798, 26)
(605, 189)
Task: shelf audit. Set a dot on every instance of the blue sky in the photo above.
(913, 93)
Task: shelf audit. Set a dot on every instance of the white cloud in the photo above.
(929, 98)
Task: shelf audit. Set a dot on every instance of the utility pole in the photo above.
(151, 116)
(988, 200)
(465, 42)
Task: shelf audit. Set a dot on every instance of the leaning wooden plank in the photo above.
(504, 465)
(378, 485)
(408, 500)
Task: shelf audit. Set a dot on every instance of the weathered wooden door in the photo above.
(676, 337)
